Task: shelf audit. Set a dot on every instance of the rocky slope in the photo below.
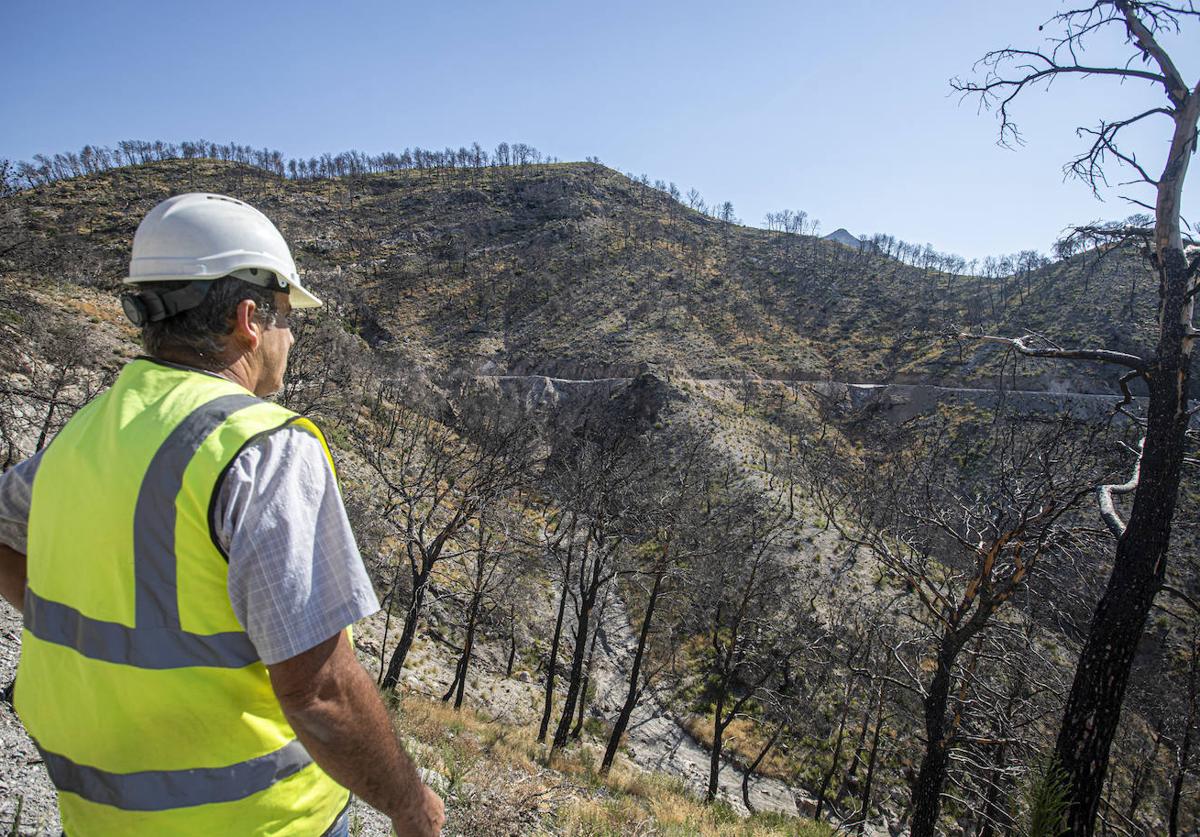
(574, 271)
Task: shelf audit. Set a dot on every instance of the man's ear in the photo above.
(246, 329)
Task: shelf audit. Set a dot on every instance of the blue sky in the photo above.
(842, 110)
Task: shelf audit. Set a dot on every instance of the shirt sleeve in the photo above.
(295, 575)
(16, 493)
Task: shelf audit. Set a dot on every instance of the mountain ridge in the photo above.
(573, 270)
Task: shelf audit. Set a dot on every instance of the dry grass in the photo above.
(743, 740)
(498, 781)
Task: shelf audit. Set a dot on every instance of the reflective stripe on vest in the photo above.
(150, 706)
(154, 515)
(162, 790)
(143, 648)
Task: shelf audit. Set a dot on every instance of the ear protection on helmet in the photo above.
(151, 306)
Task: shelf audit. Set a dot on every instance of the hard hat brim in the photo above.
(301, 298)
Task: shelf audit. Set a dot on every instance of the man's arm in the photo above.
(12, 576)
(332, 704)
(16, 493)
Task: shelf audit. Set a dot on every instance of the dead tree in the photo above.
(838, 740)
(742, 605)
(488, 571)
(597, 628)
(787, 704)
(433, 481)
(961, 548)
(599, 482)
(52, 373)
(324, 364)
(1143, 536)
(558, 541)
(677, 512)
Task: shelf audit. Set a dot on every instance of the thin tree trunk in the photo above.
(837, 753)
(865, 799)
(1138, 780)
(856, 760)
(714, 756)
(581, 636)
(468, 646)
(411, 619)
(454, 682)
(552, 663)
(587, 670)
(512, 639)
(387, 624)
(634, 691)
(993, 814)
(1185, 752)
(754, 766)
(466, 663)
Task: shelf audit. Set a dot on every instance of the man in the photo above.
(186, 666)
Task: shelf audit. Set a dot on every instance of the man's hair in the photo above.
(199, 333)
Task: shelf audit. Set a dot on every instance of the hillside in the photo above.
(572, 270)
(602, 312)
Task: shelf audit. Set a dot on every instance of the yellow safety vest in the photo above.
(146, 698)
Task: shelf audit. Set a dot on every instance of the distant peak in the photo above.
(842, 236)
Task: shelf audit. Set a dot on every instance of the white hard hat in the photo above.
(198, 237)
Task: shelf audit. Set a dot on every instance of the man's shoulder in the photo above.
(290, 446)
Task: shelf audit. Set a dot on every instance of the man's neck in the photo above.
(237, 372)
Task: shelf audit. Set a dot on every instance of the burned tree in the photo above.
(51, 375)
(488, 570)
(598, 480)
(433, 482)
(677, 515)
(961, 546)
(1094, 704)
(742, 600)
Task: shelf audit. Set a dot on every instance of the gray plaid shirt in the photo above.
(295, 575)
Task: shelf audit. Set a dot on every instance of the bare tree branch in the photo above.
(1099, 355)
(1104, 495)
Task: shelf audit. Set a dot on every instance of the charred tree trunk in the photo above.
(714, 756)
(411, 619)
(762, 754)
(552, 663)
(512, 639)
(583, 625)
(386, 604)
(927, 791)
(587, 671)
(1093, 707)
(468, 645)
(576, 677)
(837, 754)
(634, 692)
(856, 759)
(994, 815)
(872, 758)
